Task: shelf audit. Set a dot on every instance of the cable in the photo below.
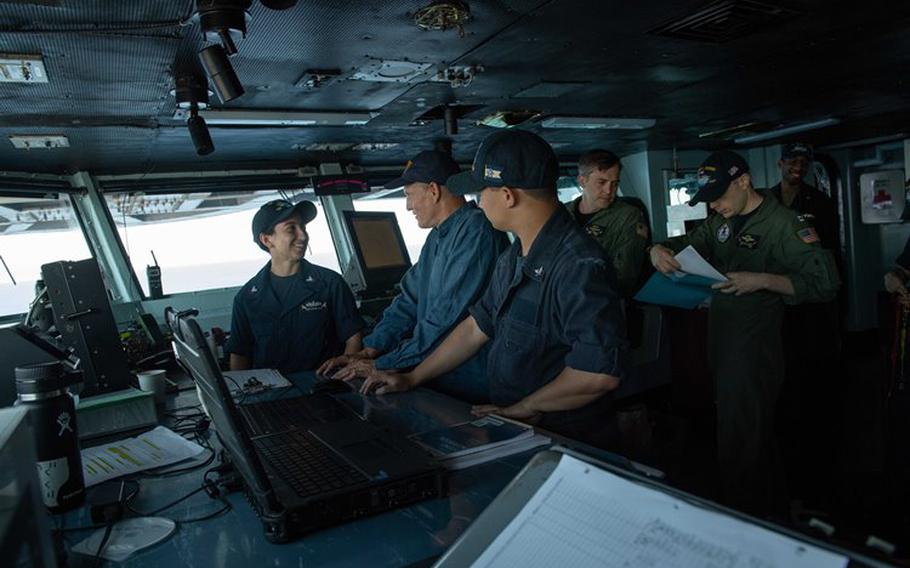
(175, 472)
(104, 539)
(165, 507)
(227, 507)
(174, 411)
(241, 390)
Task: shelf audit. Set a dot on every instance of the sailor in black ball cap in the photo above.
(551, 314)
(292, 315)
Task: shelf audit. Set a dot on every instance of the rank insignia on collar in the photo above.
(538, 272)
(747, 241)
(723, 233)
(253, 290)
(309, 279)
(594, 230)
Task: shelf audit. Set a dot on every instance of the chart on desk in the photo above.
(583, 517)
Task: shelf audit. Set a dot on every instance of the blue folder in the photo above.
(679, 290)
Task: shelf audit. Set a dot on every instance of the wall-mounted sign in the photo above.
(882, 196)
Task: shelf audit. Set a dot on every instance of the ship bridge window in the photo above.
(34, 230)
(568, 188)
(203, 240)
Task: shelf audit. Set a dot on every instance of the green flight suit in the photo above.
(745, 351)
(621, 230)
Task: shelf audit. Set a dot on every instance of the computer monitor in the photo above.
(379, 250)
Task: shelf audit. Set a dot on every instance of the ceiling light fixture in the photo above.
(224, 20)
(597, 122)
(22, 69)
(793, 129)
(240, 117)
(192, 96)
(199, 132)
(42, 142)
(220, 72)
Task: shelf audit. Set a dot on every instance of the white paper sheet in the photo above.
(585, 517)
(254, 380)
(693, 263)
(156, 448)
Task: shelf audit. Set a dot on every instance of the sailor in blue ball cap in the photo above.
(550, 317)
(292, 315)
(454, 268)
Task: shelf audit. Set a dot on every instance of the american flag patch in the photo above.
(808, 235)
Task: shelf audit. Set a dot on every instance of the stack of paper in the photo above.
(156, 448)
(688, 288)
(583, 516)
(471, 443)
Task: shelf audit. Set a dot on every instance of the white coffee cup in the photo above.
(154, 382)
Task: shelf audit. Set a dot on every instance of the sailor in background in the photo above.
(810, 400)
(617, 226)
(771, 258)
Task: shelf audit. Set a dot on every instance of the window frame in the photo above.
(49, 191)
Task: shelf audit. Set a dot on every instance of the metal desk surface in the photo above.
(410, 536)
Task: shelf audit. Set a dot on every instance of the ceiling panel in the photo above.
(112, 66)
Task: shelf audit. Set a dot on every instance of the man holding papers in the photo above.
(771, 258)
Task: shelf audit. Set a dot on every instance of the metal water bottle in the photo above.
(43, 389)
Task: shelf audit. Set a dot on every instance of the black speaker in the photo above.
(83, 318)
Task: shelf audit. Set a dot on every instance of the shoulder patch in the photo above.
(807, 235)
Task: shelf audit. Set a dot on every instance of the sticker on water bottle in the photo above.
(64, 422)
(52, 474)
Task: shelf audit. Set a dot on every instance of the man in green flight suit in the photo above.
(617, 226)
(771, 258)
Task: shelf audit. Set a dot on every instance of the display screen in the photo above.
(378, 243)
(340, 184)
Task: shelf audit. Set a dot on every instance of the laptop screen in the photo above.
(194, 354)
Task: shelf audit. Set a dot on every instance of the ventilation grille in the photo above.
(724, 20)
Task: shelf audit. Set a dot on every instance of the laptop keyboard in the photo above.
(306, 464)
(274, 416)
